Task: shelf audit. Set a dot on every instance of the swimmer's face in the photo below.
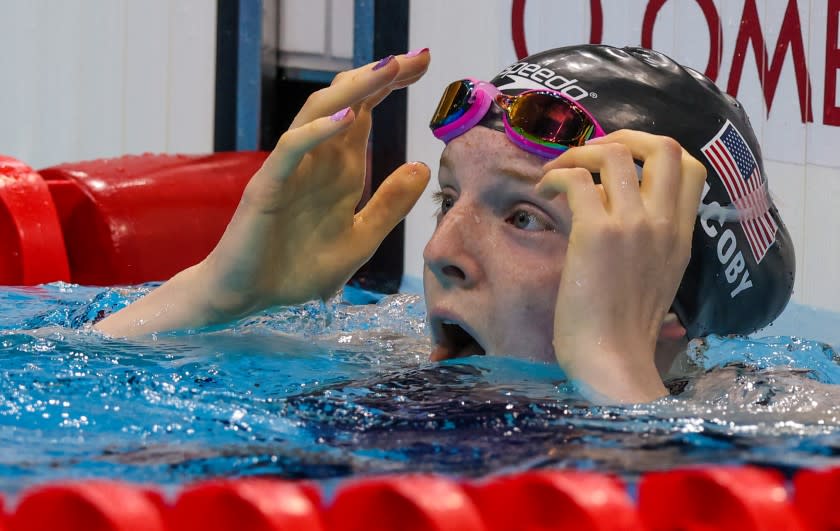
(494, 262)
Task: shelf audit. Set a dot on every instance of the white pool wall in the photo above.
(81, 79)
(802, 160)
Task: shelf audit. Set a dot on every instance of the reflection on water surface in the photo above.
(332, 391)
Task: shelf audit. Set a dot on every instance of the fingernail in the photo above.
(415, 53)
(340, 115)
(382, 62)
(419, 170)
(595, 140)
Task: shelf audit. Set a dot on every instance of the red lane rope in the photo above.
(727, 498)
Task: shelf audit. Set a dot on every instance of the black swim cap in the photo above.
(741, 272)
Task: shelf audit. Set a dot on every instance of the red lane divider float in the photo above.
(247, 504)
(742, 499)
(88, 506)
(407, 503)
(817, 499)
(555, 500)
(139, 218)
(126, 220)
(33, 249)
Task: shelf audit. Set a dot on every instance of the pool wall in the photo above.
(140, 78)
(779, 57)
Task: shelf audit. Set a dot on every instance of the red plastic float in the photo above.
(816, 495)
(126, 220)
(135, 219)
(33, 249)
(556, 500)
(742, 499)
(88, 506)
(407, 503)
(246, 505)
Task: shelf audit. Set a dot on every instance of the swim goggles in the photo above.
(543, 121)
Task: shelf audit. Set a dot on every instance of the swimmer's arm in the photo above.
(612, 375)
(180, 303)
(296, 235)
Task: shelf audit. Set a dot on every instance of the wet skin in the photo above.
(495, 260)
(506, 274)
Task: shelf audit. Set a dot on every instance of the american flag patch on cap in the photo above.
(731, 157)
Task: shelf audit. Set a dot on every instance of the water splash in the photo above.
(342, 388)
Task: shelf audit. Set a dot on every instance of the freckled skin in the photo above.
(499, 279)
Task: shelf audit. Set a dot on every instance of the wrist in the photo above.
(216, 300)
(180, 303)
(608, 375)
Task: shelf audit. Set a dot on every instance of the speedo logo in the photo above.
(524, 75)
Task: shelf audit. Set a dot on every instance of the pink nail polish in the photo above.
(415, 53)
(382, 62)
(340, 115)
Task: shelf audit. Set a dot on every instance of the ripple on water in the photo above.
(325, 391)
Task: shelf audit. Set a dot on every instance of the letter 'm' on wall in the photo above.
(831, 112)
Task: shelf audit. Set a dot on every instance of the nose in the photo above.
(451, 254)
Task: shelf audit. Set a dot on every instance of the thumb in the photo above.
(391, 202)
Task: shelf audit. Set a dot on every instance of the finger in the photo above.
(369, 103)
(409, 73)
(693, 179)
(402, 83)
(412, 67)
(353, 86)
(295, 143)
(618, 173)
(360, 132)
(583, 195)
(661, 174)
(391, 203)
(356, 137)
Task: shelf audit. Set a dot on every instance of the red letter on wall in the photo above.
(712, 21)
(790, 36)
(831, 112)
(517, 25)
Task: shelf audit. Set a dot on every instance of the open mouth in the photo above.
(451, 340)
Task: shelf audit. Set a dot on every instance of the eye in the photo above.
(524, 220)
(445, 202)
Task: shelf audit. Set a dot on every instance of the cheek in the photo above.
(534, 263)
(525, 317)
(528, 280)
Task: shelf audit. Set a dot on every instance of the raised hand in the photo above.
(295, 235)
(629, 246)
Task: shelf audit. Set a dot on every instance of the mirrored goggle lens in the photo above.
(550, 120)
(453, 104)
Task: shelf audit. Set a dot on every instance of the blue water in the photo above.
(345, 389)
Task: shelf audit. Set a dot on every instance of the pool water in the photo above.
(329, 391)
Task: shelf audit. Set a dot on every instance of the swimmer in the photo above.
(550, 243)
